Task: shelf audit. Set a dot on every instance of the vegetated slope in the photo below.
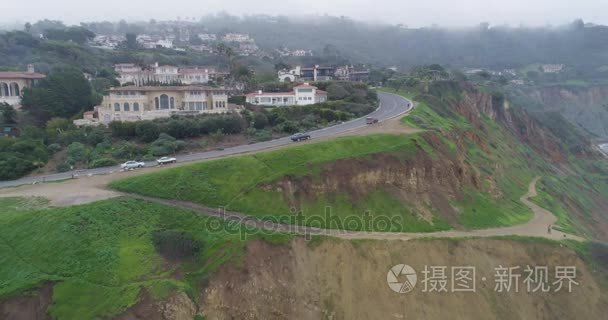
(584, 106)
(467, 170)
(95, 261)
(336, 279)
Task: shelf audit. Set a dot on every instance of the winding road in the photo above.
(87, 189)
(391, 106)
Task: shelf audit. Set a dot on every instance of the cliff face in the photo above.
(586, 107)
(475, 104)
(341, 280)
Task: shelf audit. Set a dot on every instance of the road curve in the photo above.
(391, 106)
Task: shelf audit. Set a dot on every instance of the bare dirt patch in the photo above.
(391, 126)
(31, 306)
(344, 280)
(176, 307)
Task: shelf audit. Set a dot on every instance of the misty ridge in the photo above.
(341, 40)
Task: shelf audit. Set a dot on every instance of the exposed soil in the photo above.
(32, 306)
(177, 307)
(344, 280)
(420, 181)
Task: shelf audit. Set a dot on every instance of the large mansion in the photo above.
(13, 83)
(129, 73)
(301, 95)
(133, 103)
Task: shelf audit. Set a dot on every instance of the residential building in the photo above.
(292, 75)
(165, 43)
(132, 103)
(89, 118)
(552, 68)
(207, 37)
(237, 37)
(321, 73)
(165, 74)
(304, 94)
(13, 83)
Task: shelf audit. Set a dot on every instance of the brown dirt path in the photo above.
(538, 226)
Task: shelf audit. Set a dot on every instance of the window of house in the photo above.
(164, 101)
(135, 106)
(191, 106)
(126, 106)
(204, 105)
(199, 106)
(117, 107)
(172, 103)
(156, 103)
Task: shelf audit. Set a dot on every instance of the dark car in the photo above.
(299, 137)
(371, 120)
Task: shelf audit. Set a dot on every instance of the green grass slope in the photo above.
(100, 256)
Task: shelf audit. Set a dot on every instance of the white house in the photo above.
(130, 73)
(13, 83)
(304, 94)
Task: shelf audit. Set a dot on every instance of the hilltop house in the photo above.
(133, 103)
(320, 73)
(304, 94)
(13, 83)
(163, 74)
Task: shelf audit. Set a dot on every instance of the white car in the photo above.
(166, 160)
(132, 165)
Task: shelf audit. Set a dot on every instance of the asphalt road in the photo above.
(390, 106)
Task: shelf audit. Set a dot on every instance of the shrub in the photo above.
(263, 135)
(122, 129)
(53, 148)
(127, 150)
(176, 245)
(289, 127)
(78, 152)
(147, 131)
(102, 162)
(63, 167)
(260, 121)
(165, 145)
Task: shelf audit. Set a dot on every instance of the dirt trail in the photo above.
(538, 226)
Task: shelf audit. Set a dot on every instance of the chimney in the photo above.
(30, 68)
(259, 91)
(156, 64)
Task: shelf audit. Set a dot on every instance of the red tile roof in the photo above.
(257, 94)
(166, 88)
(20, 75)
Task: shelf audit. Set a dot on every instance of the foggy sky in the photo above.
(413, 13)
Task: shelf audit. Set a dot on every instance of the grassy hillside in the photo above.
(254, 184)
(100, 256)
(467, 170)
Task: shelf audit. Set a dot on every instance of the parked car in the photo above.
(371, 120)
(166, 160)
(299, 137)
(132, 165)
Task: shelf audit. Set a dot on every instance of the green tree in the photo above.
(260, 121)
(78, 35)
(336, 92)
(64, 93)
(195, 40)
(131, 41)
(9, 115)
(57, 126)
